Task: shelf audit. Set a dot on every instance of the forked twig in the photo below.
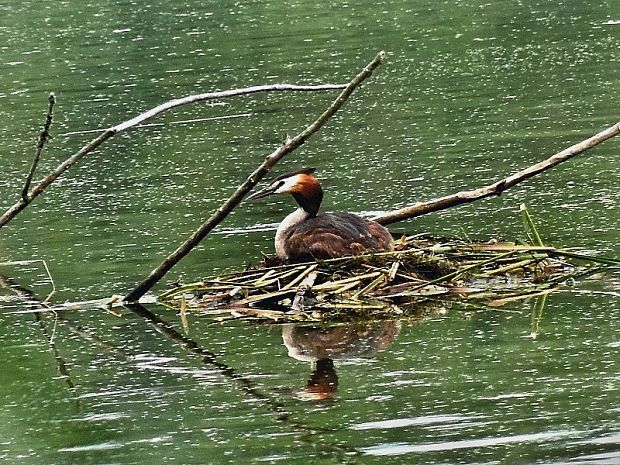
(38, 189)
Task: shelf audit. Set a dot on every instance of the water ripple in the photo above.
(404, 448)
(405, 422)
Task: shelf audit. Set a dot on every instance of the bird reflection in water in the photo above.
(323, 346)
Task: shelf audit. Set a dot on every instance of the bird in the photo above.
(307, 234)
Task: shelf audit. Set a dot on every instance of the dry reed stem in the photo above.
(301, 276)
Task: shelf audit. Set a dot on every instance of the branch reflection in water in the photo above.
(322, 347)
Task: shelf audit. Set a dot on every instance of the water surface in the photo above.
(471, 92)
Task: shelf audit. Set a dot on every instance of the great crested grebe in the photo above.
(305, 234)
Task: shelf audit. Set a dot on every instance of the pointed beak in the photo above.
(262, 193)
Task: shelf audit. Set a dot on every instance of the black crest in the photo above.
(293, 173)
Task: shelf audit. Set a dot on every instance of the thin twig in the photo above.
(498, 187)
(39, 309)
(136, 121)
(47, 270)
(43, 138)
(222, 212)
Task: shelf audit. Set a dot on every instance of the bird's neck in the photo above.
(310, 198)
(298, 216)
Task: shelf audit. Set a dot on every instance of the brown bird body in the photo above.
(305, 234)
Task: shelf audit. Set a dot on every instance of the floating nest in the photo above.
(421, 276)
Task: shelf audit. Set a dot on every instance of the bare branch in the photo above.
(218, 95)
(498, 187)
(43, 138)
(110, 132)
(223, 211)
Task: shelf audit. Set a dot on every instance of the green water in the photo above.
(472, 91)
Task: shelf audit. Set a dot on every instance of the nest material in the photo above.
(420, 276)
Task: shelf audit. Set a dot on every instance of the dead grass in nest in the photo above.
(421, 276)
